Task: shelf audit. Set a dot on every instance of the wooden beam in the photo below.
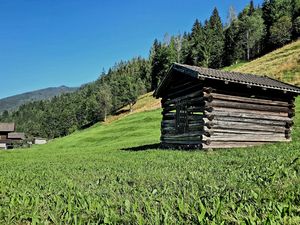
(219, 131)
(180, 86)
(237, 105)
(189, 134)
(254, 100)
(250, 121)
(246, 138)
(244, 126)
(218, 110)
(215, 145)
(185, 90)
(238, 114)
(198, 93)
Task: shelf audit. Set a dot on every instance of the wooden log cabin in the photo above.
(8, 136)
(206, 108)
(5, 129)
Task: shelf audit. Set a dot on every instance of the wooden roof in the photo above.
(7, 127)
(16, 136)
(234, 77)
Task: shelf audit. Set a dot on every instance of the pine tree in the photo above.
(162, 57)
(281, 31)
(296, 19)
(273, 12)
(195, 44)
(217, 36)
(296, 28)
(233, 44)
(251, 8)
(186, 50)
(155, 63)
(105, 100)
(206, 45)
(196, 28)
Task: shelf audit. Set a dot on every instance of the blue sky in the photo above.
(46, 43)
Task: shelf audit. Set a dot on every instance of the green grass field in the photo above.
(113, 173)
(93, 176)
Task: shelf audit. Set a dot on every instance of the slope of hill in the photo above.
(114, 173)
(282, 64)
(13, 102)
(144, 103)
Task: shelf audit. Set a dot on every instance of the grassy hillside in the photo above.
(282, 64)
(113, 173)
(13, 102)
(144, 103)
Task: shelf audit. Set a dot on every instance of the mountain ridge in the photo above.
(13, 102)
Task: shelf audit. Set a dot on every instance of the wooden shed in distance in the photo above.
(8, 137)
(5, 129)
(207, 108)
(16, 136)
(39, 141)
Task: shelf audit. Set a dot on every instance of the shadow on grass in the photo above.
(143, 147)
(157, 146)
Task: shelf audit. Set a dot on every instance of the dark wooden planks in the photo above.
(248, 106)
(215, 120)
(253, 100)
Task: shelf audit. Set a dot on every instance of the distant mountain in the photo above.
(13, 102)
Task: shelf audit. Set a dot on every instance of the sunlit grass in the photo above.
(93, 176)
(282, 64)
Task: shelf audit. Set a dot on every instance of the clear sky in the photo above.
(47, 43)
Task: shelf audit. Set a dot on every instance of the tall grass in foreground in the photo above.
(95, 177)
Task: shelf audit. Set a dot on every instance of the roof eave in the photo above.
(201, 76)
(251, 84)
(175, 67)
(188, 71)
(157, 92)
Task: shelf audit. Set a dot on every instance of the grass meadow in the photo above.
(114, 174)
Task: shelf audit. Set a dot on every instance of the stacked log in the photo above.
(245, 121)
(194, 116)
(183, 118)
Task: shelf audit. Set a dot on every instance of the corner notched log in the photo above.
(194, 115)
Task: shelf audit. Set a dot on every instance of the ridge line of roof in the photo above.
(292, 88)
(262, 81)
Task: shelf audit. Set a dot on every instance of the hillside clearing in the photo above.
(144, 103)
(282, 64)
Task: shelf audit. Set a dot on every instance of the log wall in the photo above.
(200, 117)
